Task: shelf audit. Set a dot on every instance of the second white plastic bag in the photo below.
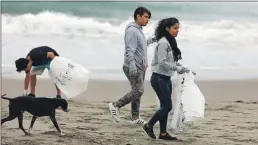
(190, 104)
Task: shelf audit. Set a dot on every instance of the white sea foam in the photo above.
(99, 46)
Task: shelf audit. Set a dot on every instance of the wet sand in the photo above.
(230, 116)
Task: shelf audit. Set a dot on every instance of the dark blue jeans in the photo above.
(163, 87)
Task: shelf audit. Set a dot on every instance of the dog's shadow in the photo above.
(56, 133)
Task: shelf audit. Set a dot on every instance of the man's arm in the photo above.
(151, 40)
(130, 48)
(51, 55)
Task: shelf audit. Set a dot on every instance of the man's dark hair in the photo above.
(140, 11)
(21, 64)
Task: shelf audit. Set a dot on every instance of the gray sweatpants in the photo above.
(134, 96)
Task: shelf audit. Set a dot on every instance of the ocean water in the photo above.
(218, 40)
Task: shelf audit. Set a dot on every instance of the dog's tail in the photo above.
(6, 97)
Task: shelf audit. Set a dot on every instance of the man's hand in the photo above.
(145, 67)
(132, 69)
(132, 72)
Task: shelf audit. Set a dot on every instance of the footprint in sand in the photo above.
(229, 108)
(242, 140)
(86, 128)
(254, 122)
(83, 121)
(199, 136)
(210, 123)
(51, 132)
(243, 102)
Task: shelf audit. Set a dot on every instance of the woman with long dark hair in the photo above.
(164, 64)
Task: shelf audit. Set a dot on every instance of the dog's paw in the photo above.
(62, 134)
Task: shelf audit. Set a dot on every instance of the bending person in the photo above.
(36, 61)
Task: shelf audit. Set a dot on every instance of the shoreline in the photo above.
(110, 90)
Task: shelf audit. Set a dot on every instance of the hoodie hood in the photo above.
(133, 24)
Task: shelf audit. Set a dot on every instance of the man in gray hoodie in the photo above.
(135, 65)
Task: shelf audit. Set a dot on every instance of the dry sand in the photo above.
(230, 117)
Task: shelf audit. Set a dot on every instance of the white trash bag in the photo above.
(189, 106)
(71, 78)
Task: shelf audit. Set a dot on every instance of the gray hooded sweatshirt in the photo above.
(163, 61)
(135, 56)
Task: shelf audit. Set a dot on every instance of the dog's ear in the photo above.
(63, 104)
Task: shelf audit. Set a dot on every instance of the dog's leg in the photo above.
(9, 118)
(20, 119)
(53, 119)
(32, 123)
(12, 114)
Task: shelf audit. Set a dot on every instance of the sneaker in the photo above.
(167, 137)
(114, 112)
(58, 96)
(32, 95)
(148, 131)
(138, 121)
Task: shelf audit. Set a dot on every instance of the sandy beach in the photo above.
(230, 116)
(217, 40)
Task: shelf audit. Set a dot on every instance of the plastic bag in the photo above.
(70, 77)
(177, 110)
(192, 99)
(190, 104)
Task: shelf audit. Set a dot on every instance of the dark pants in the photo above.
(163, 87)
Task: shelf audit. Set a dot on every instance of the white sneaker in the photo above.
(138, 121)
(114, 112)
(29, 130)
